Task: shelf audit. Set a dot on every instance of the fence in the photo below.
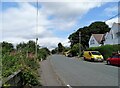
(14, 80)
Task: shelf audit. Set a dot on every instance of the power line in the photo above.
(113, 17)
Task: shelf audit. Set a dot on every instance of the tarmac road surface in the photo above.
(75, 72)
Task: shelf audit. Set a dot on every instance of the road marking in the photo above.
(69, 86)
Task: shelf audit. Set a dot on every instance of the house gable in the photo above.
(113, 36)
(93, 42)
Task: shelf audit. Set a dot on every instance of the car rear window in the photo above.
(116, 56)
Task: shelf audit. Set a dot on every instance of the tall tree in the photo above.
(86, 32)
(60, 47)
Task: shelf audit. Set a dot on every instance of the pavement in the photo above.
(48, 76)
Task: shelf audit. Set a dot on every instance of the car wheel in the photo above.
(92, 59)
(108, 62)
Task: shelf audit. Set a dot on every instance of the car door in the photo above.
(114, 60)
(119, 59)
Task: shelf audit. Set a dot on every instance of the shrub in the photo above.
(75, 49)
(106, 50)
(29, 78)
(12, 64)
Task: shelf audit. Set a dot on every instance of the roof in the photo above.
(117, 23)
(98, 37)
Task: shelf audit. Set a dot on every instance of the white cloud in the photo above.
(59, 0)
(67, 13)
(52, 42)
(110, 22)
(19, 24)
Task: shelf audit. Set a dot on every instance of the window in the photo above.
(96, 53)
(92, 42)
(115, 56)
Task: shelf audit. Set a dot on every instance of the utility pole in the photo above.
(79, 43)
(36, 48)
(36, 31)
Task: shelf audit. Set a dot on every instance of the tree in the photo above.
(75, 49)
(54, 51)
(7, 47)
(43, 53)
(86, 32)
(60, 48)
(27, 47)
(21, 46)
(47, 50)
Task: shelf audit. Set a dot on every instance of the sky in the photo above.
(56, 20)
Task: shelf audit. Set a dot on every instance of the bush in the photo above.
(11, 64)
(43, 53)
(106, 50)
(75, 49)
(29, 78)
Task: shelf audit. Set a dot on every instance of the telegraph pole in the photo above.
(36, 32)
(36, 48)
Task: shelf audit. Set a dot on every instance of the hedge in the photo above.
(106, 50)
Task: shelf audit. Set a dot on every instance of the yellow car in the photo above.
(93, 56)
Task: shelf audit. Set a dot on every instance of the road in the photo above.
(75, 72)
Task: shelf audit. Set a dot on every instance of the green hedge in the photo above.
(106, 50)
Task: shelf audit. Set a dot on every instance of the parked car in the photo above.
(93, 56)
(114, 60)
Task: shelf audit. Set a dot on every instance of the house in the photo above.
(96, 40)
(113, 36)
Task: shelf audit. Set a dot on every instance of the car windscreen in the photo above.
(95, 53)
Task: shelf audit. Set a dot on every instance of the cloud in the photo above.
(59, 0)
(52, 42)
(22, 20)
(19, 23)
(66, 14)
(110, 22)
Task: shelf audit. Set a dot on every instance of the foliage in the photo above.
(75, 49)
(27, 47)
(29, 77)
(66, 49)
(87, 31)
(106, 50)
(6, 47)
(10, 64)
(60, 48)
(20, 59)
(54, 51)
(43, 53)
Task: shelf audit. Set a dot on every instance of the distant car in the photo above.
(114, 60)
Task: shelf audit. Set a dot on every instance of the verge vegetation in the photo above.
(23, 57)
